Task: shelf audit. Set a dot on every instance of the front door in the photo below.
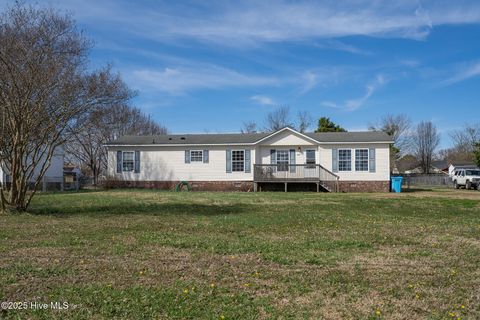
(310, 161)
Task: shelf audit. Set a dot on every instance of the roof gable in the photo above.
(287, 136)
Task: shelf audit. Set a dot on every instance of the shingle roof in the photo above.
(248, 138)
(221, 138)
(359, 136)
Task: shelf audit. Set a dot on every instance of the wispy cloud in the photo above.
(177, 81)
(354, 104)
(263, 100)
(252, 22)
(322, 77)
(411, 63)
(464, 72)
(310, 79)
(341, 46)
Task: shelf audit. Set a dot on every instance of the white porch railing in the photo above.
(296, 173)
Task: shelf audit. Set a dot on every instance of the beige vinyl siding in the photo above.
(264, 153)
(287, 138)
(168, 164)
(382, 154)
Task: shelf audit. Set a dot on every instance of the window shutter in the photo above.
(371, 160)
(187, 156)
(137, 161)
(229, 161)
(119, 161)
(292, 160)
(273, 156)
(205, 156)
(248, 162)
(335, 160)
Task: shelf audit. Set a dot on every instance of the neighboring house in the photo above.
(405, 163)
(334, 161)
(435, 167)
(53, 175)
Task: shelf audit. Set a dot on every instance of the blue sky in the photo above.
(208, 66)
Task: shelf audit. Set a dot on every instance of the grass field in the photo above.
(147, 254)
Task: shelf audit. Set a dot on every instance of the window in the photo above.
(128, 163)
(473, 172)
(196, 156)
(238, 160)
(310, 156)
(345, 160)
(361, 160)
(282, 160)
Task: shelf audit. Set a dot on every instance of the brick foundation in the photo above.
(195, 185)
(344, 186)
(364, 186)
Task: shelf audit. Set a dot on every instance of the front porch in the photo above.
(295, 173)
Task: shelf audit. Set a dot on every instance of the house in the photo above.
(435, 167)
(333, 161)
(405, 163)
(408, 164)
(52, 179)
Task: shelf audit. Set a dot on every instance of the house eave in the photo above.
(235, 144)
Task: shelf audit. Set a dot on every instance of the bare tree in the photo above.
(425, 141)
(278, 119)
(466, 139)
(455, 155)
(86, 145)
(398, 127)
(304, 121)
(249, 127)
(44, 90)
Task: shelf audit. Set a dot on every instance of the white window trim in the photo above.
(288, 158)
(351, 159)
(314, 153)
(231, 160)
(368, 160)
(196, 161)
(123, 160)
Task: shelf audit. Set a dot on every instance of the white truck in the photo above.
(468, 178)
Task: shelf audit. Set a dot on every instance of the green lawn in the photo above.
(148, 254)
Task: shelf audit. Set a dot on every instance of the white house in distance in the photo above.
(53, 176)
(331, 161)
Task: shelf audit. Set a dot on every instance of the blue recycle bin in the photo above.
(397, 184)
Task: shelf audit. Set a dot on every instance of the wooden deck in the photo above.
(295, 173)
